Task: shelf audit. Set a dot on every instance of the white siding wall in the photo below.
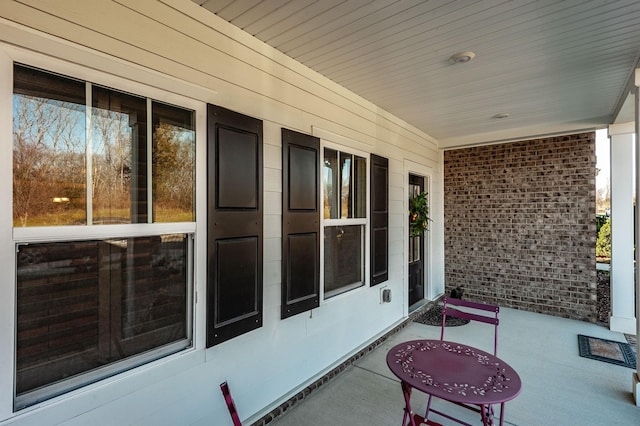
(175, 47)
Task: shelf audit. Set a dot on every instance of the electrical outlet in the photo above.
(385, 295)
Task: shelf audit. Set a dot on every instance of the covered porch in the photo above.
(511, 86)
(375, 83)
(558, 386)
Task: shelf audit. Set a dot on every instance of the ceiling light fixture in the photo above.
(462, 57)
(501, 115)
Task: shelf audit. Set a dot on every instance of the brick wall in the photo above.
(520, 224)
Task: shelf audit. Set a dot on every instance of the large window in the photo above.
(85, 305)
(81, 155)
(89, 307)
(344, 179)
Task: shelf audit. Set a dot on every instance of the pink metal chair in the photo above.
(487, 314)
(224, 387)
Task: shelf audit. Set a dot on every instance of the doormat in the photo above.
(618, 353)
(434, 317)
(631, 338)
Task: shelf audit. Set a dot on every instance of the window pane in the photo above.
(346, 201)
(87, 304)
(416, 248)
(173, 164)
(119, 148)
(411, 254)
(360, 183)
(343, 257)
(345, 185)
(330, 179)
(49, 180)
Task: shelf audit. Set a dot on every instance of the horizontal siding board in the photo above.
(194, 65)
(395, 54)
(306, 87)
(373, 127)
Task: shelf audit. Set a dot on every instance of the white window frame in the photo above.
(195, 279)
(365, 222)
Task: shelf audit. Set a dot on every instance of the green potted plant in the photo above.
(418, 214)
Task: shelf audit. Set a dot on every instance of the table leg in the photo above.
(408, 412)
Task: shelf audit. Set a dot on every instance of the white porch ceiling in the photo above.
(553, 66)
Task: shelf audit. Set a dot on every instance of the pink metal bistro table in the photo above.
(454, 372)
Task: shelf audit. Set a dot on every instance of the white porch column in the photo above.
(636, 374)
(623, 318)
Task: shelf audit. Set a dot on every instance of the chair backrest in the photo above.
(224, 387)
(449, 309)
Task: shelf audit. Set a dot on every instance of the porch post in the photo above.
(623, 318)
(636, 374)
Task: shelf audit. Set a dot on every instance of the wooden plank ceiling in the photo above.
(552, 66)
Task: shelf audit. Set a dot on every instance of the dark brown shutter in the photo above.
(234, 214)
(300, 223)
(379, 219)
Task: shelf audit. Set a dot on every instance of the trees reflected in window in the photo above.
(345, 184)
(49, 145)
(173, 164)
(89, 155)
(60, 162)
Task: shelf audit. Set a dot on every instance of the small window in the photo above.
(345, 185)
(345, 212)
(343, 258)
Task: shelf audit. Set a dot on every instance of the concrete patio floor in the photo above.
(559, 386)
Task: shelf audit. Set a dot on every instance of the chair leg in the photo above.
(235, 418)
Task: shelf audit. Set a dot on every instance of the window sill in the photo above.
(342, 290)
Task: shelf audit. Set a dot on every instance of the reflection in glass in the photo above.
(343, 258)
(360, 183)
(415, 243)
(86, 304)
(330, 179)
(173, 164)
(119, 156)
(59, 175)
(49, 180)
(345, 185)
